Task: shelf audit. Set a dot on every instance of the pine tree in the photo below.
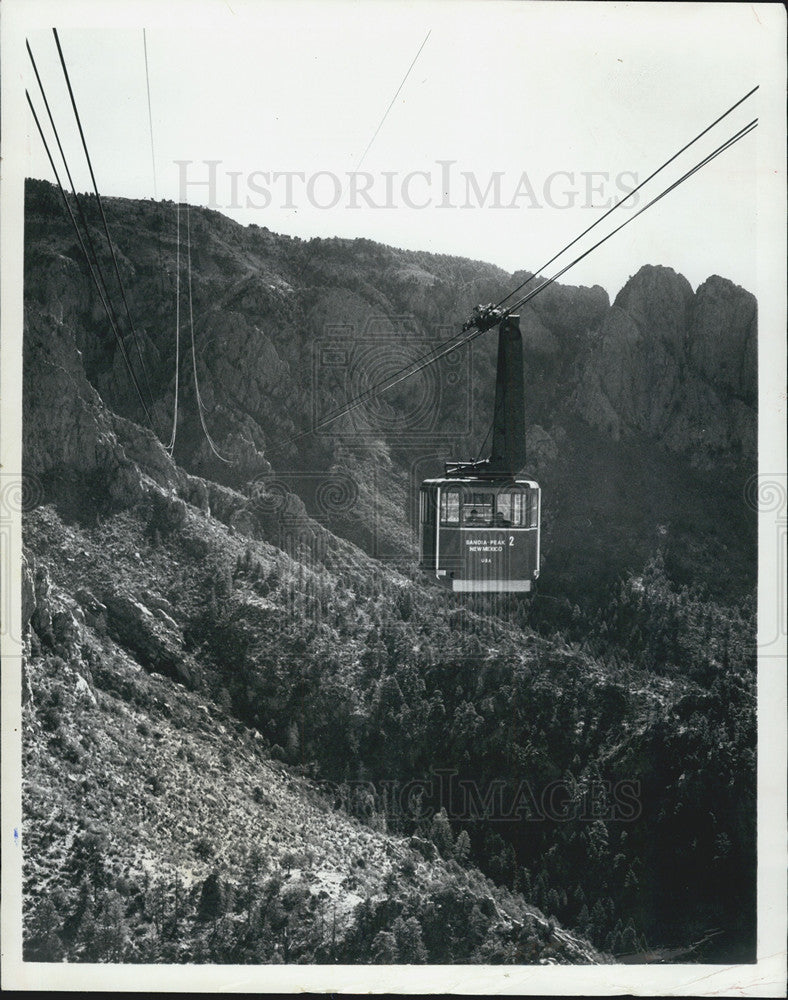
(629, 939)
(462, 847)
(110, 931)
(384, 949)
(522, 881)
(441, 835)
(410, 944)
(212, 898)
(43, 943)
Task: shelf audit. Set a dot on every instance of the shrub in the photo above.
(204, 849)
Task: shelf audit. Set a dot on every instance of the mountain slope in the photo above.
(287, 331)
(159, 828)
(600, 737)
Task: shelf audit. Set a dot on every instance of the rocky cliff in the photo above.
(665, 373)
(678, 366)
(218, 640)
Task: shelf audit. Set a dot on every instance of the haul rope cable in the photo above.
(171, 445)
(150, 115)
(385, 385)
(480, 452)
(97, 274)
(720, 149)
(496, 411)
(393, 99)
(433, 355)
(627, 197)
(76, 197)
(213, 447)
(96, 281)
(153, 164)
(101, 210)
(477, 333)
(104, 295)
(429, 359)
(745, 130)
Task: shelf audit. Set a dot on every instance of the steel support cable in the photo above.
(626, 197)
(153, 163)
(391, 105)
(171, 445)
(103, 216)
(83, 219)
(435, 354)
(213, 447)
(375, 390)
(698, 166)
(93, 274)
(441, 350)
(150, 114)
(548, 281)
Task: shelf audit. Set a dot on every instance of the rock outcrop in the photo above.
(662, 367)
(171, 603)
(723, 345)
(676, 366)
(154, 643)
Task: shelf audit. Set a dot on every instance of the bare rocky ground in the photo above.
(159, 828)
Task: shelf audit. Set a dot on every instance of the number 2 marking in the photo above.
(511, 540)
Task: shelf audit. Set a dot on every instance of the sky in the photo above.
(517, 125)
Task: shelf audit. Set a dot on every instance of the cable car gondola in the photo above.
(479, 524)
